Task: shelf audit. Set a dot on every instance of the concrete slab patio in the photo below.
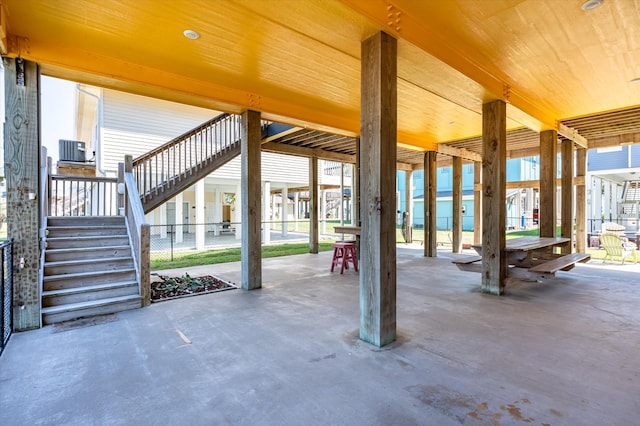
(563, 352)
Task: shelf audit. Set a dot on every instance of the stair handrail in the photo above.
(138, 230)
(181, 155)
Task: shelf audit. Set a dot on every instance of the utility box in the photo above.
(72, 151)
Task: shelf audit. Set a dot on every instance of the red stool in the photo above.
(343, 253)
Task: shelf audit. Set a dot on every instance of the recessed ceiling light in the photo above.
(591, 4)
(635, 80)
(191, 35)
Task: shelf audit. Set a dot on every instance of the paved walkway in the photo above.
(563, 352)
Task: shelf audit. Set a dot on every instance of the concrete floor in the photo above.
(565, 352)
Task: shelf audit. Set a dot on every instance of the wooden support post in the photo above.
(494, 164)
(548, 186)
(430, 231)
(477, 202)
(408, 202)
(378, 124)
(456, 231)
(22, 164)
(251, 250)
(566, 213)
(313, 205)
(581, 201)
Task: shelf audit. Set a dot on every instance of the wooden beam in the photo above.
(566, 203)
(458, 152)
(456, 239)
(609, 141)
(378, 124)
(581, 201)
(251, 190)
(573, 135)
(522, 184)
(429, 191)
(548, 186)
(494, 164)
(22, 167)
(300, 151)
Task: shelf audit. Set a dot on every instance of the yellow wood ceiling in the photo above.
(298, 61)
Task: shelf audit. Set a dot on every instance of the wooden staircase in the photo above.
(88, 268)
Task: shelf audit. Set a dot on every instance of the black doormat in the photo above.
(167, 288)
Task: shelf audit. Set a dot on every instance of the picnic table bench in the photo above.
(529, 258)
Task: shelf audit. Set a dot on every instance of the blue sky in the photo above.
(58, 100)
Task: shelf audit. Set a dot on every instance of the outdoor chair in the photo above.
(616, 247)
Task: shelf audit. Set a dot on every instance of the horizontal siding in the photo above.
(603, 160)
(135, 124)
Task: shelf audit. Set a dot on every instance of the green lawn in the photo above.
(209, 257)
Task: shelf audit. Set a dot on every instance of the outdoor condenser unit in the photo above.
(71, 151)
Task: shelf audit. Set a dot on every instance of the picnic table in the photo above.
(529, 257)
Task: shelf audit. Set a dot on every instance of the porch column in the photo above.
(237, 214)
(296, 208)
(429, 207)
(581, 200)
(566, 213)
(200, 228)
(179, 230)
(285, 210)
(548, 184)
(356, 187)
(378, 125)
(313, 205)
(251, 175)
(456, 238)
(341, 209)
(163, 219)
(266, 201)
(494, 183)
(408, 202)
(477, 202)
(323, 203)
(22, 163)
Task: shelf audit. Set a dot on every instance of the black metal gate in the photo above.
(6, 291)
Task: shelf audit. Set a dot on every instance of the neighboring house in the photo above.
(114, 124)
(613, 191)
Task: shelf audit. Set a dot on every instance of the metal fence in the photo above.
(168, 240)
(6, 293)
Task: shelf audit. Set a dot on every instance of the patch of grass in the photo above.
(188, 259)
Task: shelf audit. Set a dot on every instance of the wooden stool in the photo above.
(343, 253)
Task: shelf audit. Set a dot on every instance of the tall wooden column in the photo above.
(251, 166)
(566, 212)
(494, 186)
(477, 202)
(408, 202)
(548, 185)
(378, 124)
(22, 161)
(456, 231)
(581, 200)
(430, 231)
(313, 205)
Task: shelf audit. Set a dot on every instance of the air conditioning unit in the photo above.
(71, 151)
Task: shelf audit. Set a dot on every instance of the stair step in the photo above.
(85, 242)
(57, 282)
(91, 292)
(53, 314)
(80, 231)
(87, 265)
(57, 255)
(84, 220)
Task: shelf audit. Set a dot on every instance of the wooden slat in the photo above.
(560, 263)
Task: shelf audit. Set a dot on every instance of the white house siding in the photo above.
(136, 124)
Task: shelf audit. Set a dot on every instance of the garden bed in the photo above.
(166, 288)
